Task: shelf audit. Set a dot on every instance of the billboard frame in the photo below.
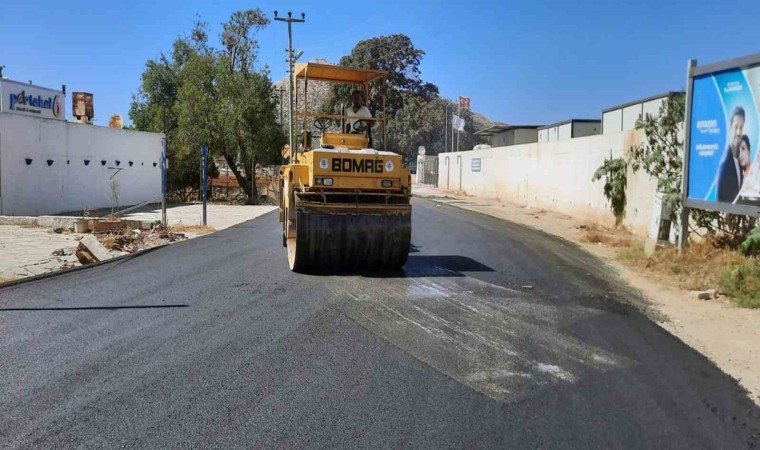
(745, 62)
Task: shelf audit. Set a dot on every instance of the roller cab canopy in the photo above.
(337, 74)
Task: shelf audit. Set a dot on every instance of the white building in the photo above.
(504, 135)
(569, 129)
(50, 166)
(624, 117)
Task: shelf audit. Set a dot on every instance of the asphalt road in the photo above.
(214, 342)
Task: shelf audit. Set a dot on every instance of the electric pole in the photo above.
(291, 61)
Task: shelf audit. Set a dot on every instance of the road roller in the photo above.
(344, 204)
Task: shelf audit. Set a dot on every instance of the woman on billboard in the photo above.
(750, 173)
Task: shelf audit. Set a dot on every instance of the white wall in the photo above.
(555, 176)
(68, 184)
(581, 129)
(612, 121)
(543, 135)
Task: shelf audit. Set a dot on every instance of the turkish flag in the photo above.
(464, 102)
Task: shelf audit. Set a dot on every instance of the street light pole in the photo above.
(291, 61)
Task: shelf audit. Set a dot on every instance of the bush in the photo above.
(742, 284)
(614, 171)
(751, 245)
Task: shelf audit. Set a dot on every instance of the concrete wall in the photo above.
(68, 184)
(543, 135)
(553, 175)
(581, 129)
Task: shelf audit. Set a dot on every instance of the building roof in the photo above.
(643, 100)
(570, 121)
(503, 128)
(336, 74)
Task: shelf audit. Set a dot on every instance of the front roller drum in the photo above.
(344, 240)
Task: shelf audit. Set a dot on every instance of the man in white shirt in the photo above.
(356, 111)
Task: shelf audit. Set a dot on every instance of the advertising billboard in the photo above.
(723, 167)
(30, 100)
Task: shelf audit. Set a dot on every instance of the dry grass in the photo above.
(595, 235)
(195, 229)
(699, 267)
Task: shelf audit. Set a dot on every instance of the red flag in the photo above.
(464, 102)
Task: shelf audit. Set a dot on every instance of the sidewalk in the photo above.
(218, 216)
(728, 335)
(27, 251)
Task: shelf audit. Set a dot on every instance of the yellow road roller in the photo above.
(344, 203)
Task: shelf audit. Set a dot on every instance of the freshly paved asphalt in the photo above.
(494, 336)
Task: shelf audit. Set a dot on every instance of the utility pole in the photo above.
(291, 61)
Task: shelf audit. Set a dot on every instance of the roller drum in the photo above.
(361, 240)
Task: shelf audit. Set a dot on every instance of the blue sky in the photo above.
(520, 61)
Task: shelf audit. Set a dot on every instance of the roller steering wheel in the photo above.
(322, 124)
(360, 126)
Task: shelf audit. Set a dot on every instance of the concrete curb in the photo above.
(56, 273)
(52, 222)
(24, 221)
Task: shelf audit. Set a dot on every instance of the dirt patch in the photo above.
(594, 235)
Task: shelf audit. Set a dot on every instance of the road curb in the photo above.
(56, 273)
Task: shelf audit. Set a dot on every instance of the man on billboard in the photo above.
(729, 171)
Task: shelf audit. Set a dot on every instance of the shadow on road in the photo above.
(94, 308)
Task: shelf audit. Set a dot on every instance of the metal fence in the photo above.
(427, 170)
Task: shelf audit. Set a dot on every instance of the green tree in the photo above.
(213, 96)
(395, 54)
(416, 113)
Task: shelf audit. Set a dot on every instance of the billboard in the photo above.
(723, 167)
(30, 100)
